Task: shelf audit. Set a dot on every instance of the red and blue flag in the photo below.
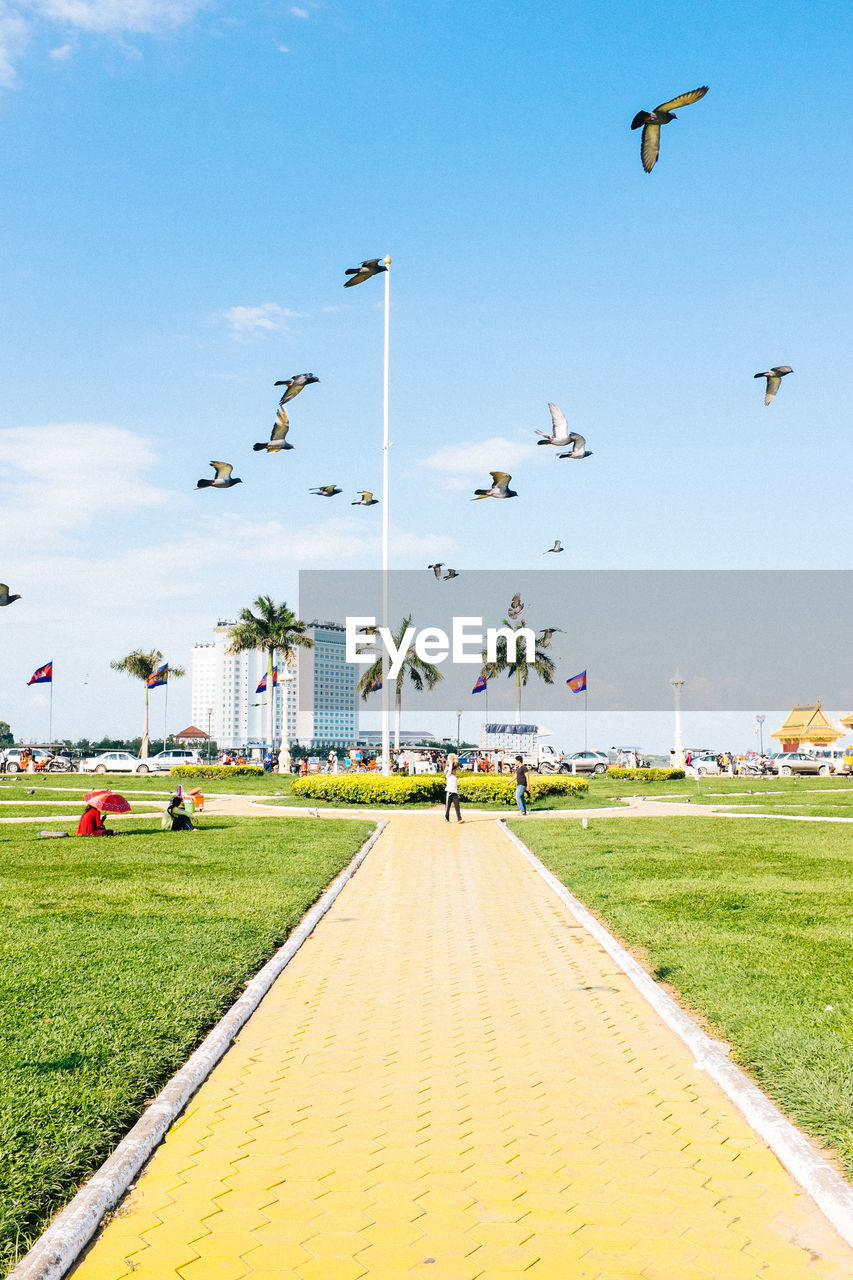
(577, 683)
(480, 685)
(159, 676)
(43, 675)
(262, 687)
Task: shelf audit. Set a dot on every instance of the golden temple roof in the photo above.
(808, 723)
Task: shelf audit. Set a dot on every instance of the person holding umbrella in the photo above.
(97, 804)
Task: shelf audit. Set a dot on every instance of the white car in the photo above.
(114, 762)
(704, 765)
(165, 760)
(585, 762)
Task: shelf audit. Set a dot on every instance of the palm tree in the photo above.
(419, 672)
(141, 666)
(520, 669)
(273, 629)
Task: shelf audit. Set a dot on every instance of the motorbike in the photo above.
(60, 764)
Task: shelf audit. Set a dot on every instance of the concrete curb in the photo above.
(61, 1245)
(814, 1174)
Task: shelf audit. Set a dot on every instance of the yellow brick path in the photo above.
(452, 1080)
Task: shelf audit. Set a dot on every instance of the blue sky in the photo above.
(184, 185)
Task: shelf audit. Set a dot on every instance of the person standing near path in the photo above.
(521, 785)
(451, 789)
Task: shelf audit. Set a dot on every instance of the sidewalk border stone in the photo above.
(61, 1244)
(808, 1167)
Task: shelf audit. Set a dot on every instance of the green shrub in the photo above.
(217, 771)
(371, 788)
(646, 775)
(496, 788)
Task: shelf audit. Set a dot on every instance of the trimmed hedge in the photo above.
(372, 788)
(217, 771)
(646, 775)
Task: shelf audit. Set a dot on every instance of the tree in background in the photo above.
(519, 670)
(420, 673)
(6, 739)
(273, 629)
(142, 666)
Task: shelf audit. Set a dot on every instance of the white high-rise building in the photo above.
(320, 700)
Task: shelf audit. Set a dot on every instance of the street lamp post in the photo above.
(458, 723)
(209, 718)
(759, 720)
(284, 749)
(678, 754)
(386, 527)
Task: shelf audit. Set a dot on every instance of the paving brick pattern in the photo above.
(453, 1081)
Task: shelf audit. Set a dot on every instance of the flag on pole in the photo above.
(577, 683)
(262, 687)
(159, 676)
(481, 684)
(43, 675)
(375, 685)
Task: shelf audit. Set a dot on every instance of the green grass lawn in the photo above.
(752, 923)
(117, 956)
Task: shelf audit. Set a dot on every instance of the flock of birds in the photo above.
(560, 437)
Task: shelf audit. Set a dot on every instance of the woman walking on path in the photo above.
(451, 789)
(521, 785)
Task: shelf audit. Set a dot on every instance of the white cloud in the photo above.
(114, 16)
(296, 12)
(62, 53)
(474, 459)
(269, 316)
(61, 477)
(13, 37)
(282, 48)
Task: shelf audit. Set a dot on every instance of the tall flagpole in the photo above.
(166, 710)
(386, 529)
(50, 713)
(585, 711)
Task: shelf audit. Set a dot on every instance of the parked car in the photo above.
(165, 760)
(798, 762)
(702, 765)
(585, 762)
(48, 762)
(837, 760)
(114, 762)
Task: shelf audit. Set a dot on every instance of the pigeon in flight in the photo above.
(516, 608)
(224, 479)
(557, 547)
(278, 439)
(295, 385)
(437, 568)
(370, 267)
(367, 499)
(559, 428)
(578, 449)
(5, 598)
(651, 121)
(500, 488)
(774, 378)
(545, 636)
(326, 490)
(451, 573)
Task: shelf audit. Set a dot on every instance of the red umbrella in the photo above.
(107, 801)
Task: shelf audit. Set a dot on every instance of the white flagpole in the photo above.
(585, 712)
(50, 713)
(166, 710)
(386, 528)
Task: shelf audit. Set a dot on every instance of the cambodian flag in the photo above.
(577, 683)
(480, 685)
(262, 687)
(159, 676)
(44, 675)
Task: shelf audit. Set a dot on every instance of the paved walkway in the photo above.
(452, 1081)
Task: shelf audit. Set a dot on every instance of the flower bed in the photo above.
(217, 771)
(646, 775)
(428, 788)
(500, 788)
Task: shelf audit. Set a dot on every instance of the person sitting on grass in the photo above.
(176, 812)
(92, 823)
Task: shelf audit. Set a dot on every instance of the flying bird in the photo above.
(223, 479)
(370, 267)
(578, 449)
(500, 488)
(326, 490)
(651, 121)
(774, 378)
(278, 439)
(367, 499)
(559, 428)
(295, 385)
(5, 598)
(437, 568)
(557, 547)
(545, 636)
(516, 608)
(451, 573)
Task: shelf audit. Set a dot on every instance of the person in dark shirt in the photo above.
(521, 785)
